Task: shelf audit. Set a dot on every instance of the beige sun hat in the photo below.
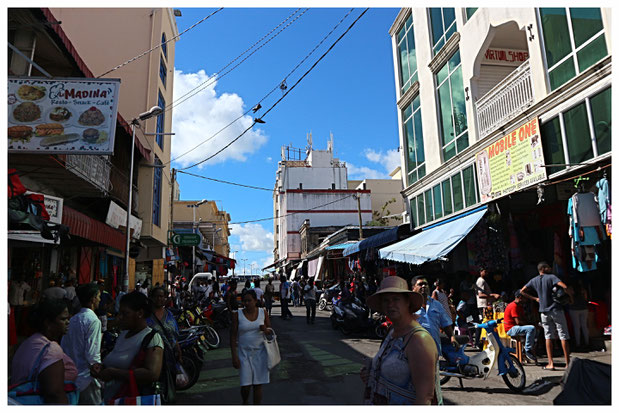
(394, 284)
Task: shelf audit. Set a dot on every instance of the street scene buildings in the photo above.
(502, 176)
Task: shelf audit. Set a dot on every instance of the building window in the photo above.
(446, 198)
(164, 46)
(443, 24)
(574, 41)
(452, 106)
(163, 71)
(157, 193)
(470, 11)
(413, 139)
(593, 114)
(406, 55)
(160, 121)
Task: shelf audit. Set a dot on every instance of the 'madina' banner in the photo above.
(70, 116)
(512, 163)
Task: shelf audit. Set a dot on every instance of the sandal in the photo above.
(550, 369)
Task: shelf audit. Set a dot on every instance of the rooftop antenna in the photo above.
(330, 143)
(309, 141)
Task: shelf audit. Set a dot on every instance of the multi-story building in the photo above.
(207, 220)
(312, 185)
(503, 106)
(106, 38)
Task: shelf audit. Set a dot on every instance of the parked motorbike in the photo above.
(218, 314)
(195, 316)
(382, 325)
(193, 348)
(457, 364)
(326, 297)
(352, 317)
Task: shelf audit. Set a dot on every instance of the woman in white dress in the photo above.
(247, 346)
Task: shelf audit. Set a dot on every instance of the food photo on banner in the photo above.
(512, 163)
(71, 116)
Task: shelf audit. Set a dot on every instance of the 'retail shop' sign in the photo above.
(70, 116)
(511, 163)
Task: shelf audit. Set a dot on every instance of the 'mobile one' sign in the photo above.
(512, 163)
(69, 116)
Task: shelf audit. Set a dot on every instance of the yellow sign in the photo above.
(512, 163)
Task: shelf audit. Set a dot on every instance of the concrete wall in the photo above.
(382, 191)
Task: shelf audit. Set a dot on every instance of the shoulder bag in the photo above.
(272, 348)
(129, 394)
(29, 392)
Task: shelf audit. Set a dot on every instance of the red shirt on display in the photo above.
(512, 312)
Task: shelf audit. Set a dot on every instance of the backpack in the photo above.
(559, 295)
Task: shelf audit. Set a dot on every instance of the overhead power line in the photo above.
(283, 96)
(160, 44)
(226, 182)
(292, 213)
(214, 78)
(277, 86)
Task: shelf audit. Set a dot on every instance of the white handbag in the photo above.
(272, 350)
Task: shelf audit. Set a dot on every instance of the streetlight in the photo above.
(154, 111)
(193, 230)
(243, 259)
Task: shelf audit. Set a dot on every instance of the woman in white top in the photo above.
(115, 371)
(247, 346)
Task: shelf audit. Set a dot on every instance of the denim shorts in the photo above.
(554, 321)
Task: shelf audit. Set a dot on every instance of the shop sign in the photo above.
(505, 57)
(185, 240)
(512, 163)
(53, 206)
(69, 116)
(117, 217)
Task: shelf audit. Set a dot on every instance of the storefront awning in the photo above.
(340, 246)
(83, 226)
(435, 241)
(378, 240)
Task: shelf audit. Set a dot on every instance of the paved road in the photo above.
(320, 367)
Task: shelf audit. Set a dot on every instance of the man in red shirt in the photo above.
(513, 321)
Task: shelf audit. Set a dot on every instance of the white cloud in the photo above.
(203, 115)
(387, 161)
(269, 159)
(253, 237)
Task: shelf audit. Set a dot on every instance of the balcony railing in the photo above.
(505, 101)
(93, 168)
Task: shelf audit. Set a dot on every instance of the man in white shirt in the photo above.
(70, 289)
(82, 343)
(18, 289)
(484, 297)
(259, 293)
(54, 292)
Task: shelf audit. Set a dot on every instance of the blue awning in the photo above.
(341, 246)
(435, 241)
(378, 240)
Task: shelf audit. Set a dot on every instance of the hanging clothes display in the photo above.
(604, 203)
(585, 230)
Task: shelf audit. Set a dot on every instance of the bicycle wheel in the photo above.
(211, 337)
(515, 378)
(192, 371)
(322, 304)
(445, 379)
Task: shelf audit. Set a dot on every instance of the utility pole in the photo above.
(172, 205)
(358, 197)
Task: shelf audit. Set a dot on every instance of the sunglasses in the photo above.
(421, 284)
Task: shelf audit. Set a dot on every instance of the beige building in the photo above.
(212, 223)
(387, 202)
(106, 38)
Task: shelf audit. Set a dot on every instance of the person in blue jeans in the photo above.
(514, 323)
(551, 313)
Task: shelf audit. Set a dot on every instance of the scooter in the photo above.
(457, 364)
(383, 324)
(325, 300)
(351, 317)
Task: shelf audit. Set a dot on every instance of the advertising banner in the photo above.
(117, 217)
(69, 116)
(512, 163)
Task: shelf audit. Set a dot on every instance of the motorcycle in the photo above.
(382, 323)
(193, 348)
(326, 297)
(456, 364)
(218, 314)
(352, 317)
(197, 317)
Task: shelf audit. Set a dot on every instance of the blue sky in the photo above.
(350, 93)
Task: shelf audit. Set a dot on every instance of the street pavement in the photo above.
(320, 366)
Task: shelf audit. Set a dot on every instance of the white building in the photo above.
(466, 78)
(387, 203)
(311, 184)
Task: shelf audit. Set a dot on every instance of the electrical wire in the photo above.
(214, 78)
(226, 182)
(292, 213)
(283, 96)
(159, 45)
(268, 94)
